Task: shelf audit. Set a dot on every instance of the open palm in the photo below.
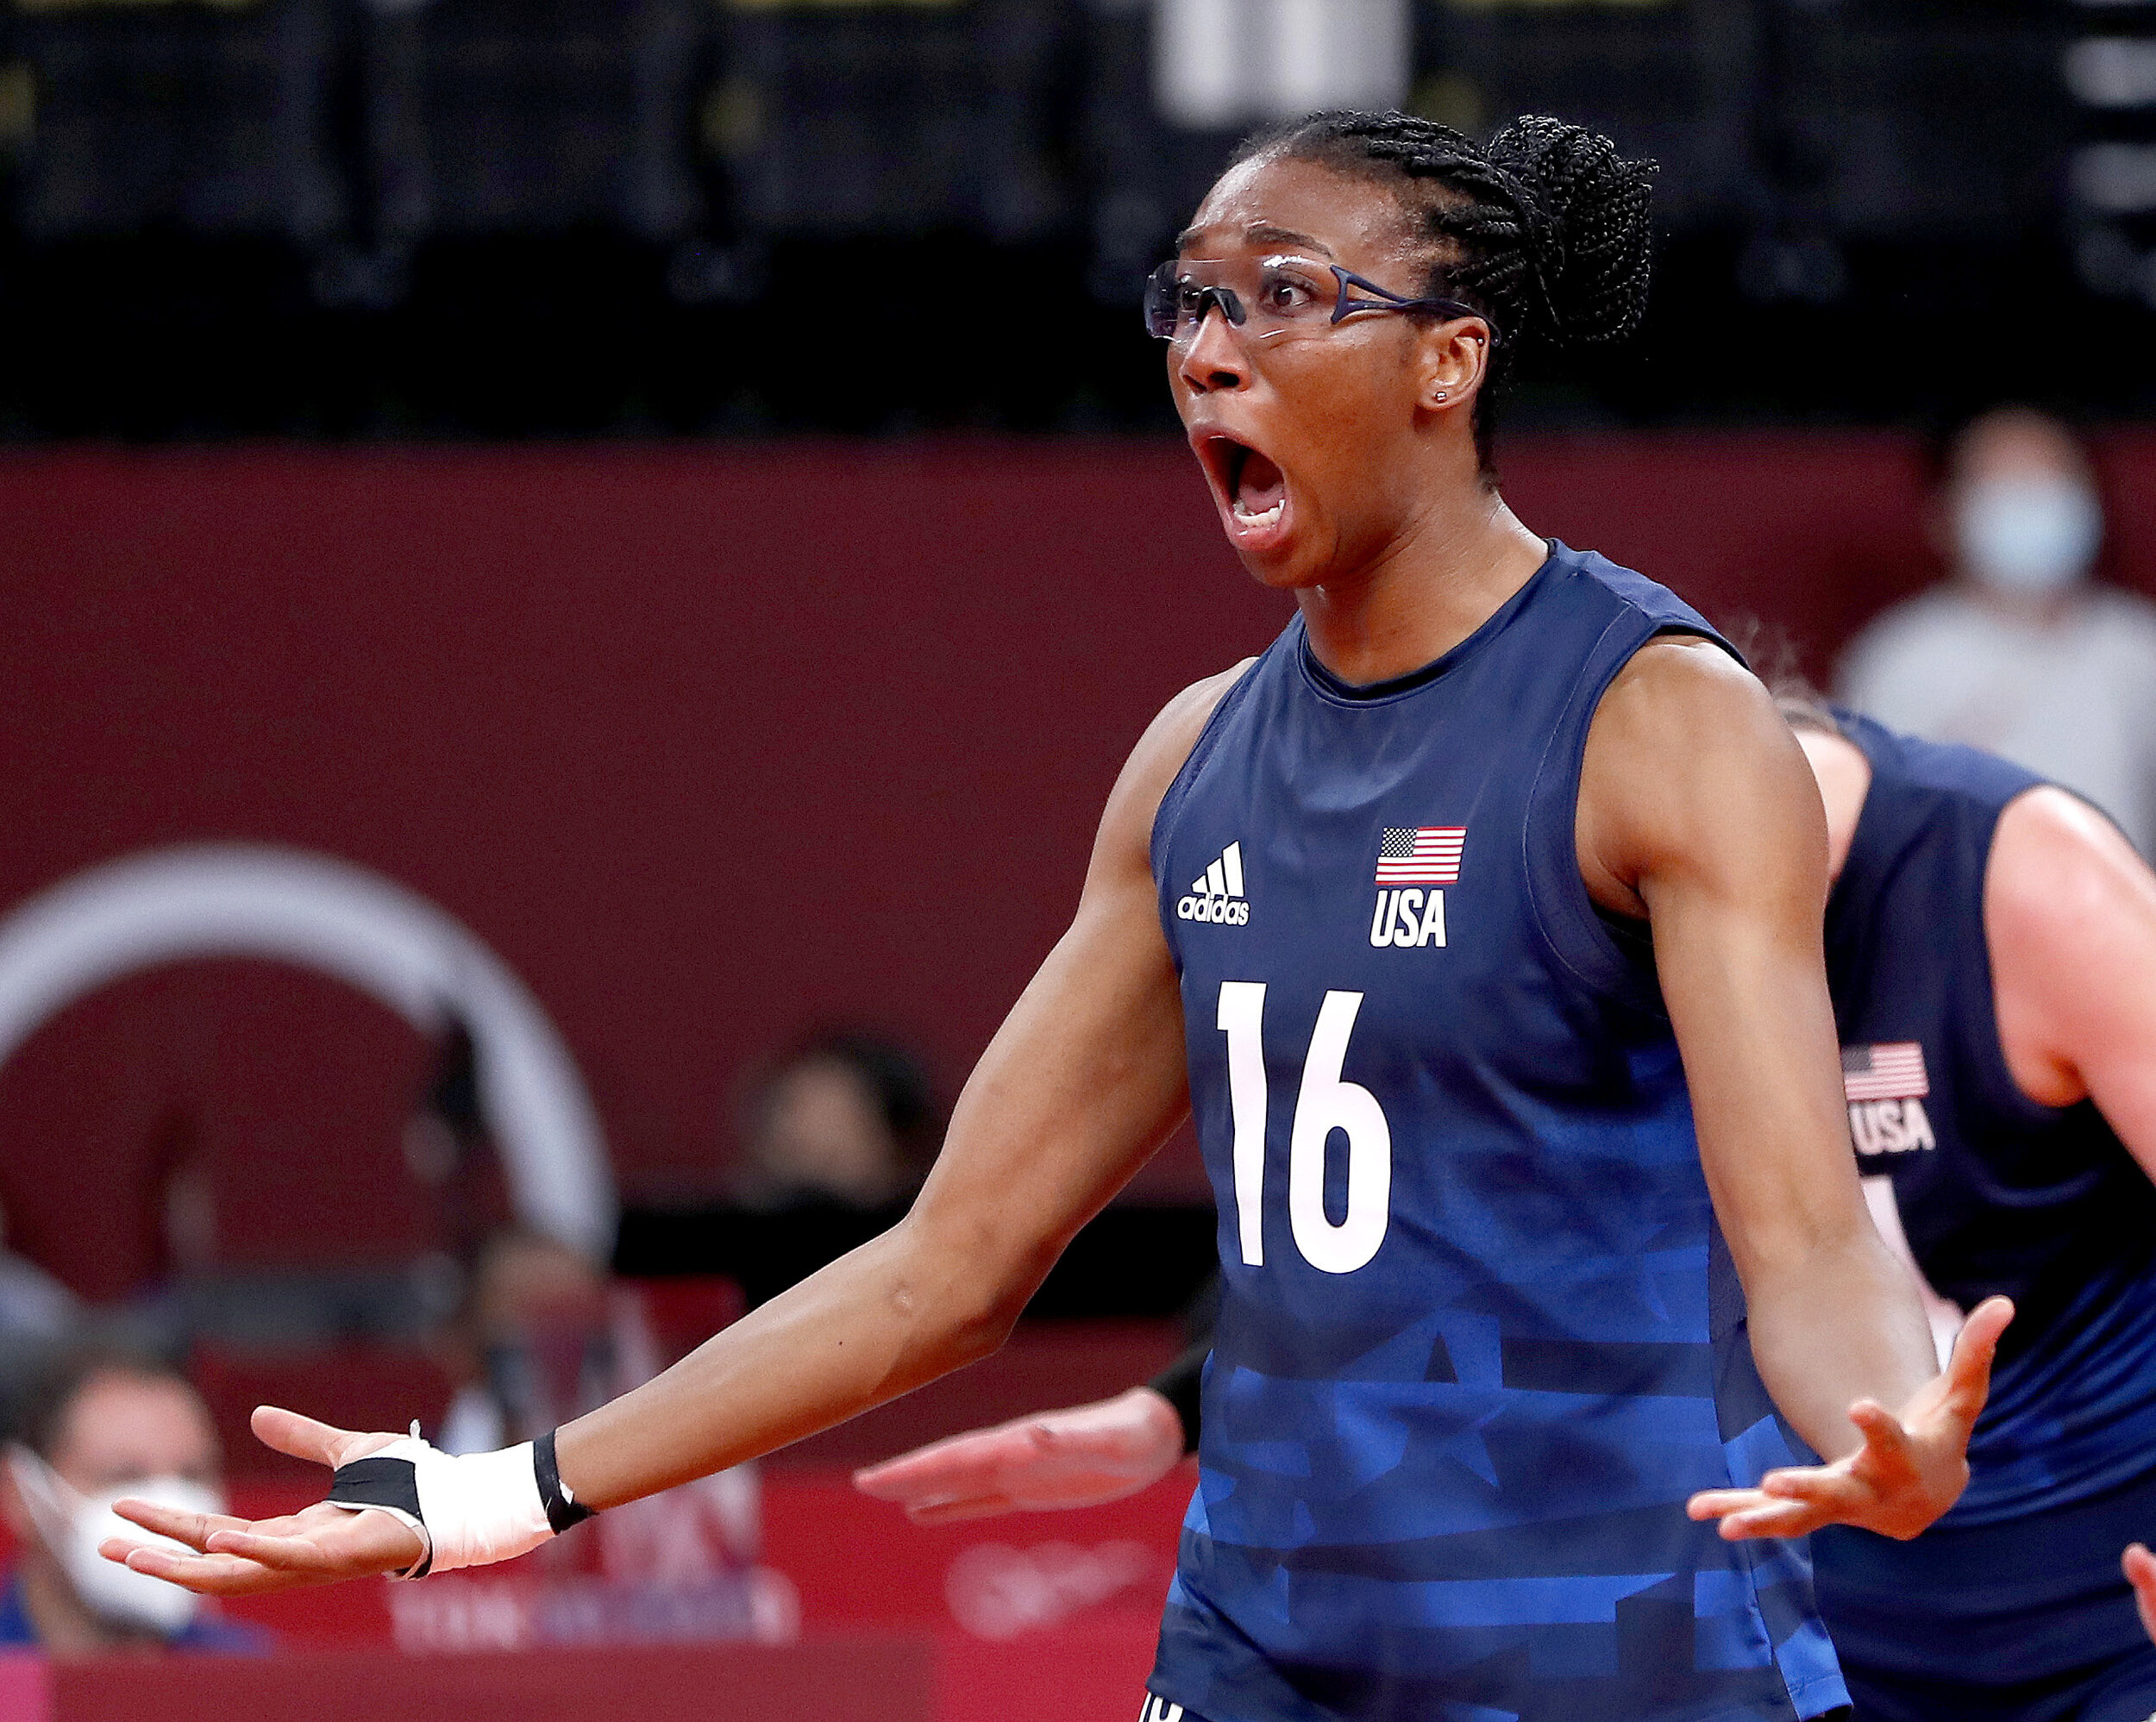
(1076, 1457)
(1909, 1469)
(320, 1545)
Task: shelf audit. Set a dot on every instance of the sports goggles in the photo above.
(1268, 298)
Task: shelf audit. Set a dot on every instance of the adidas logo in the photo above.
(1216, 894)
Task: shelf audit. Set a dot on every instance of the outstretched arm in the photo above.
(2070, 918)
(1083, 1081)
(1697, 808)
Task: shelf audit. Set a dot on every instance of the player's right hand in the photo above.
(317, 1545)
(1080, 1456)
(2141, 1573)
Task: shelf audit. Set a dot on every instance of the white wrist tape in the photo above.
(470, 1510)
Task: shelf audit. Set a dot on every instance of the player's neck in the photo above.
(1431, 587)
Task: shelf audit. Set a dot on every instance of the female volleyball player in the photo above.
(1378, 905)
(1991, 953)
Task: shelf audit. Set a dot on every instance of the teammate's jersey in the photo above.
(1995, 1193)
(1479, 1337)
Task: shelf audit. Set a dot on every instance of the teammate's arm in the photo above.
(1083, 1081)
(1077, 1455)
(1697, 808)
(2070, 919)
(1080, 1456)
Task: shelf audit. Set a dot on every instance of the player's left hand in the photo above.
(2141, 1573)
(1080, 1456)
(1909, 1469)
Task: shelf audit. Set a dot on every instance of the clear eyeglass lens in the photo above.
(1276, 294)
(1162, 296)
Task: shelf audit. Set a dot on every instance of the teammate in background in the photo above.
(1482, 1246)
(1991, 951)
(1991, 948)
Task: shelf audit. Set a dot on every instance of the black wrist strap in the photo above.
(393, 1484)
(563, 1509)
(1179, 1384)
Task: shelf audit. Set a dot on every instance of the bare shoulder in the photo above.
(1688, 761)
(1165, 744)
(2060, 873)
(1126, 827)
(1675, 684)
(2070, 921)
(1189, 710)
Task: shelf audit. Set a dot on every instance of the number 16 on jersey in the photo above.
(1325, 1103)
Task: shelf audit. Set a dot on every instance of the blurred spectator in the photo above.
(835, 1136)
(846, 1121)
(99, 1423)
(2020, 653)
(532, 1346)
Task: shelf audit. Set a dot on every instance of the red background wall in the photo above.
(710, 744)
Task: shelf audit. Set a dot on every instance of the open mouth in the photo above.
(1251, 482)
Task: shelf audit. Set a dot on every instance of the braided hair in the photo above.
(1543, 230)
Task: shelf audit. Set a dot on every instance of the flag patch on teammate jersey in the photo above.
(1891, 1071)
(1420, 854)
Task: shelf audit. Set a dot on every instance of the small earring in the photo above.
(1440, 394)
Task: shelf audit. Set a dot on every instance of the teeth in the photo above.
(1271, 517)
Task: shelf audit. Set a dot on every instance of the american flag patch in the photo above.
(1893, 1071)
(1420, 854)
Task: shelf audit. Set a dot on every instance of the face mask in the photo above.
(73, 1525)
(2031, 536)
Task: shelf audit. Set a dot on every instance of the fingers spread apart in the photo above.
(1787, 1503)
(1969, 1369)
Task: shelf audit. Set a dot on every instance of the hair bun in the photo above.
(1587, 207)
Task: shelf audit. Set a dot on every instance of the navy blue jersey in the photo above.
(1994, 1193)
(1479, 1337)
